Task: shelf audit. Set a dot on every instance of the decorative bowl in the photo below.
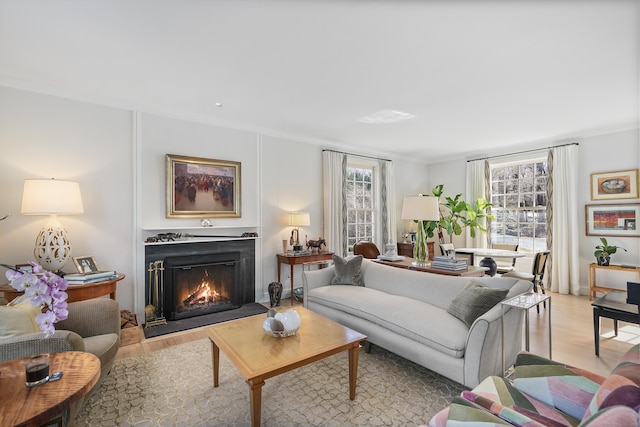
(289, 319)
(614, 185)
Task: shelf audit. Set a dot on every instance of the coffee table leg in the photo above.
(353, 370)
(215, 353)
(255, 397)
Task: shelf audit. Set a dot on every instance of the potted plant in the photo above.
(604, 251)
(456, 215)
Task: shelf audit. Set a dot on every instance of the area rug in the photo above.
(174, 387)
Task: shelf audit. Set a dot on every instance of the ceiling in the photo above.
(477, 75)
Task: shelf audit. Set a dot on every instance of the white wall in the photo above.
(598, 153)
(49, 137)
(118, 156)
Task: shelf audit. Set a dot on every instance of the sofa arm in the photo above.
(483, 354)
(92, 317)
(29, 344)
(316, 278)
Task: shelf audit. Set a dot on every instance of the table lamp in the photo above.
(51, 197)
(420, 208)
(298, 219)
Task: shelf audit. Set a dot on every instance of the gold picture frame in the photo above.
(202, 188)
(614, 185)
(86, 264)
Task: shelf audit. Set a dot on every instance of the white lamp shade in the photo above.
(299, 219)
(421, 208)
(51, 196)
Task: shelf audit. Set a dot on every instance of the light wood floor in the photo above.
(572, 336)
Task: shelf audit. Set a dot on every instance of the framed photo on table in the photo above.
(613, 220)
(614, 185)
(86, 264)
(202, 188)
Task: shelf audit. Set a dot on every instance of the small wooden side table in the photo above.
(76, 292)
(294, 260)
(34, 406)
(593, 287)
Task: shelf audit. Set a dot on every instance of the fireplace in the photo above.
(200, 284)
(198, 279)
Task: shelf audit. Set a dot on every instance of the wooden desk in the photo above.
(34, 406)
(488, 255)
(76, 292)
(593, 287)
(471, 271)
(294, 260)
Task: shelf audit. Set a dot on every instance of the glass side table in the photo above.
(525, 302)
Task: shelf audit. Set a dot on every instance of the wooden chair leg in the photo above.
(535, 289)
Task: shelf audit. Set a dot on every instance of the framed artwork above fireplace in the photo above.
(202, 188)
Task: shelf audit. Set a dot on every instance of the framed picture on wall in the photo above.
(613, 220)
(614, 185)
(202, 188)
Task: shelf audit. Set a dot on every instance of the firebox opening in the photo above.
(200, 286)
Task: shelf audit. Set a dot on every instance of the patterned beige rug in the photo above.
(174, 387)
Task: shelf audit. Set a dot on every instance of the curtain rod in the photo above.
(357, 155)
(523, 152)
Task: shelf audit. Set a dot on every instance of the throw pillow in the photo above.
(18, 318)
(347, 271)
(474, 300)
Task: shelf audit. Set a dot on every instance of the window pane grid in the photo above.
(361, 211)
(518, 195)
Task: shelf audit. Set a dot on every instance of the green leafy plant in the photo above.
(457, 214)
(605, 249)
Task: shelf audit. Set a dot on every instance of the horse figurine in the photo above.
(316, 244)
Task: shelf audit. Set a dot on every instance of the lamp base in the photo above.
(52, 249)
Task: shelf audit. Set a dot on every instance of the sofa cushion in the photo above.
(557, 385)
(347, 271)
(613, 416)
(18, 318)
(474, 300)
(622, 387)
(461, 412)
(422, 322)
(499, 397)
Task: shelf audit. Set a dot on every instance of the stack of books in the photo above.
(446, 263)
(84, 278)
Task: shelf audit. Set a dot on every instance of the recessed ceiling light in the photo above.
(218, 104)
(387, 116)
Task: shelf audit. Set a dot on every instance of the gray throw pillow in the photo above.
(347, 271)
(474, 300)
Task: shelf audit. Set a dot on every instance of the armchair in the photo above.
(92, 326)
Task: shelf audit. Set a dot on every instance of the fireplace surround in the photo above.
(195, 278)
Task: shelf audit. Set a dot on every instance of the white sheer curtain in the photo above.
(477, 187)
(563, 272)
(387, 203)
(334, 167)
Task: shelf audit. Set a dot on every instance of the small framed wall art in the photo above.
(202, 188)
(614, 185)
(613, 220)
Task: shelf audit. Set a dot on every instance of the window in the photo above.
(361, 205)
(519, 198)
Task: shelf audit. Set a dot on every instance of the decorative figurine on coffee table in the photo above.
(275, 293)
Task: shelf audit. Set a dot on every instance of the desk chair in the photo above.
(633, 296)
(537, 274)
(504, 267)
(366, 249)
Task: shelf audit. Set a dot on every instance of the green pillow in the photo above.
(474, 300)
(347, 271)
(18, 318)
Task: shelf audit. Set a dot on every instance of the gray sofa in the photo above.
(405, 312)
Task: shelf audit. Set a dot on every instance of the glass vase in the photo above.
(420, 247)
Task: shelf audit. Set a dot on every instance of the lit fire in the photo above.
(202, 295)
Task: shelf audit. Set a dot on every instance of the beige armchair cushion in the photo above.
(18, 318)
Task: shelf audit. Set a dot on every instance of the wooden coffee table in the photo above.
(34, 406)
(259, 356)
